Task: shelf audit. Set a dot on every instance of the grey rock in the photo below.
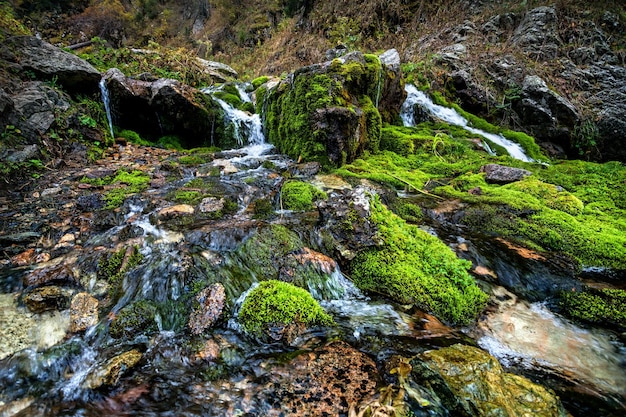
(390, 58)
(35, 107)
(500, 174)
(547, 115)
(28, 53)
(537, 33)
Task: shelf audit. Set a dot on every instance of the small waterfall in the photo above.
(107, 104)
(448, 115)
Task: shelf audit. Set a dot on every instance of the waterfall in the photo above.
(107, 105)
(449, 115)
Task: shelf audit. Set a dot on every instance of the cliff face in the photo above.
(554, 71)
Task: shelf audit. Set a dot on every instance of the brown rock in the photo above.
(176, 211)
(500, 174)
(24, 258)
(325, 381)
(212, 300)
(210, 351)
(110, 373)
(58, 273)
(46, 299)
(83, 312)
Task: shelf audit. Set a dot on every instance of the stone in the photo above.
(51, 274)
(211, 306)
(209, 352)
(176, 211)
(537, 34)
(110, 373)
(325, 381)
(500, 174)
(83, 312)
(391, 59)
(46, 298)
(211, 204)
(28, 53)
(545, 113)
(471, 382)
(36, 105)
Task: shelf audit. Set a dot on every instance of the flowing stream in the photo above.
(56, 376)
(418, 98)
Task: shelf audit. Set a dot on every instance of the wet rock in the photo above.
(24, 258)
(111, 372)
(472, 383)
(345, 216)
(211, 205)
(90, 202)
(306, 170)
(47, 275)
(500, 174)
(24, 154)
(325, 381)
(46, 299)
(212, 300)
(537, 34)
(176, 211)
(28, 53)
(209, 352)
(83, 312)
(133, 320)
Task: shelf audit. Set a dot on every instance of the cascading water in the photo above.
(107, 104)
(448, 115)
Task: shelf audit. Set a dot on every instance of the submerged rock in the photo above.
(83, 312)
(212, 300)
(45, 299)
(470, 382)
(326, 381)
(110, 373)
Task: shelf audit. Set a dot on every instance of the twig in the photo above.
(416, 189)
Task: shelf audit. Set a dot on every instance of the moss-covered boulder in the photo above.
(300, 196)
(411, 266)
(280, 311)
(134, 319)
(471, 382)
(331, 112)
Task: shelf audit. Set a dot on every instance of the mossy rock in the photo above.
(300, 196)
(134, 319)
(275, 308)
(328, 113)
(265, 251)
(411, 266)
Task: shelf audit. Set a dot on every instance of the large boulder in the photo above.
(332, 112)
(28, 53)
(166, 107)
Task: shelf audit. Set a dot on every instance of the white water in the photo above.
(448, 115)
(107, 104)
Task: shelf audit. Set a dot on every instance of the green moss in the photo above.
(134, 137)
(135, 319)
(113, 267)
(290, 110)
(187, 197)
(191, 160)
(131, 183)
(300, 196)
(411, 266)
(279, 303)
(170, 142)
(600, 307)
(264, 251)
(257, 82)
(263, 208)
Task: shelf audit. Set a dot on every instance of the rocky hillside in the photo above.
(554, 70)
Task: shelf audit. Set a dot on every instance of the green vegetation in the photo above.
(9, 26)
(279, 303)
(602, 307)
(301, 116)
(263, 208)
(113, 267)
(130, 183)
(257, 82)
(300, 196)
(264, 250)
(134, 319)
(134, 137)
(411, 266)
